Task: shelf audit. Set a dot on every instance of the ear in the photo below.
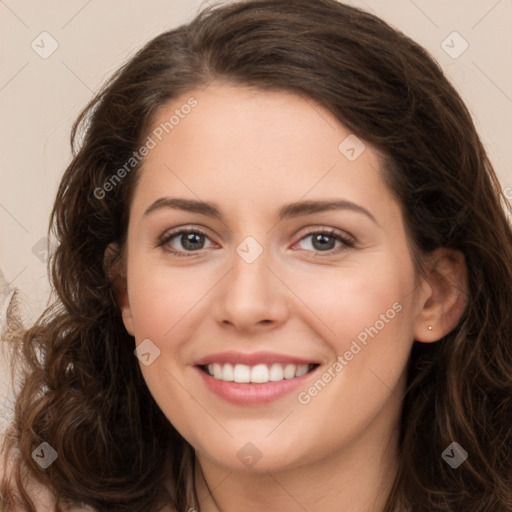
(445, 297)
(115, 266)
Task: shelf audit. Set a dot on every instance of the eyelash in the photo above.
(348, 242)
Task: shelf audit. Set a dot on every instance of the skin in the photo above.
(251, 152)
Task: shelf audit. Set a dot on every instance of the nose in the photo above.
(251, 298)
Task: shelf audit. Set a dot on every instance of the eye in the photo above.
(184, 241)
(325, 240)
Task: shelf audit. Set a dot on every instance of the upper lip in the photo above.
(252, 359)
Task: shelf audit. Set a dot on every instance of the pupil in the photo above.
(324, 242)
(192, 241)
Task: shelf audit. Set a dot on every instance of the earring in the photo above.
(429, 327)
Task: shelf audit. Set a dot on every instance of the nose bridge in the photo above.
(250, 264)
(251, 294)
(249, 278)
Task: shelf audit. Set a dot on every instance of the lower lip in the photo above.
(253, 394)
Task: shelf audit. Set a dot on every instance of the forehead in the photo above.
(256, 147)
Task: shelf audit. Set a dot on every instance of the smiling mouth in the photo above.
(256, 374)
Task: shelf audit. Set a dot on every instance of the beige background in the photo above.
(40, 97)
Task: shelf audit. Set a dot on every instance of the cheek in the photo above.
(161, 297)
(360, 303)
(368, 311)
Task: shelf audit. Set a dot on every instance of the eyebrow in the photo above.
(188, 205)
(309, 207)
(288, 211)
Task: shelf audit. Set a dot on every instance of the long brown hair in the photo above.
(83, 392)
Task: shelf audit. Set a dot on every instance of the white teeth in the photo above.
(258, 374)
(276, 372)
(228, 373)
(242, 373)
(217, 370)
(302, 370)
(289, 371)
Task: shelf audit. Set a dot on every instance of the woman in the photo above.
(283, 282)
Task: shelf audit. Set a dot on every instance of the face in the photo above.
(265, 248)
